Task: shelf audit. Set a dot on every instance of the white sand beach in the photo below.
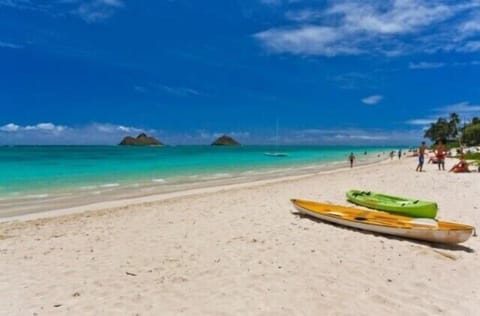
(238, 250)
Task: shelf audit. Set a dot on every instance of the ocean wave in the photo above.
(250, 172)
(218, 176)
(159, 180)
(36, 196)
(88, 187)
(271, 171)
(110, 185)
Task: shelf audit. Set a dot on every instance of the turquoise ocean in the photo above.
(54, 171)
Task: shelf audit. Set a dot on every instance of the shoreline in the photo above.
(38, 170)
(78, 201)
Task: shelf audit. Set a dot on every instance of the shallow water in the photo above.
(34, 177)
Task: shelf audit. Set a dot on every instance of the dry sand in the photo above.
(238, 250)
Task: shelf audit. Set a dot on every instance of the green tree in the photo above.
(472, 134)
(439, 130)
(453, 125)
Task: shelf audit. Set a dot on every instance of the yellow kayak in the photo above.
(380, 222)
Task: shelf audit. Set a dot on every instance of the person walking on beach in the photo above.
(441, 152)
(399, 154)
(352, 159)
(421, 156)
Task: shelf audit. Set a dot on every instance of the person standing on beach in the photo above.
(441, 152)
(352, 159)
(399, 153)
(421, 156)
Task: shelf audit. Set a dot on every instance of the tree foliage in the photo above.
(442, 129)
(471, 134)
(453, 124)
(449, 129)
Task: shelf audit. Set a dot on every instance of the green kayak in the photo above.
(393, 204)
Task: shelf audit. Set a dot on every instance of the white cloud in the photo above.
(425, 65)
(421, 122)
(90, 11)
(461, 108)
(48, 127)
(271, 2)
(113, 3)
(49, 133)
(24, 5)
(433, 65)
(368, 137)
(470, 47)
(10, 45)
(179, 91)
(307, 40)
(392, 17)
(467, 63)
(9, 127)
(470, 26)
(373, 99)
(360, 137)
(465, 111)
(98, 10)
(127, 129)
(353, 136)
(391, 27)
(112, 134)
(113, 129)
(312, 136)
(206, 137)
(304, 16)
(140, 89)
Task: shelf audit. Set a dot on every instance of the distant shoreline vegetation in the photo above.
(449, 131)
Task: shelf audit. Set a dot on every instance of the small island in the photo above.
(141, 140)
(225, 141)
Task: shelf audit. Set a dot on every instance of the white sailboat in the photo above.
(276, 153)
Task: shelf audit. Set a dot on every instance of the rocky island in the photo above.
(141, 140)
(225, 141)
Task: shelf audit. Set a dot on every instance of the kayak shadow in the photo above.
(452, 247)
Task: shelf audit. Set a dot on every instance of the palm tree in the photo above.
(438, 130)
(453, 124)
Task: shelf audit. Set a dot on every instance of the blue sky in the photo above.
(331, 72)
